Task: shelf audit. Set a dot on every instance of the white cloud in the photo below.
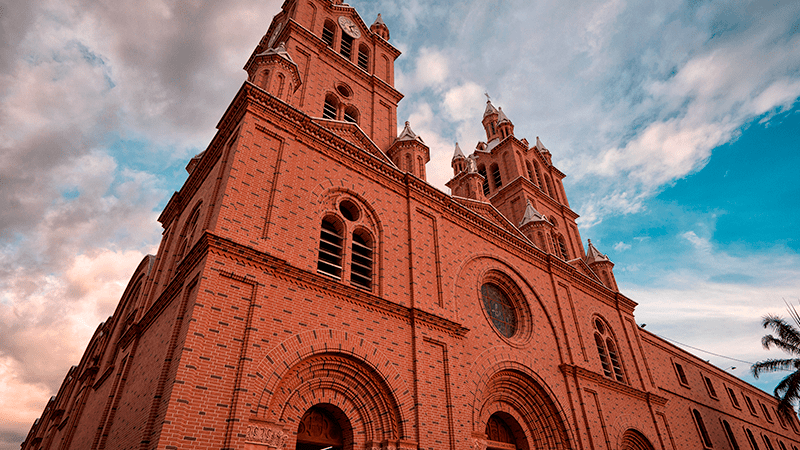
(621, 246)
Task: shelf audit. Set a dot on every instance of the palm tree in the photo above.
(788, 340)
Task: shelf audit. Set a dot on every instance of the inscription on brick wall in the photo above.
(268, 436)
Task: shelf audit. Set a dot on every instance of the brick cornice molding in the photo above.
(596, 378)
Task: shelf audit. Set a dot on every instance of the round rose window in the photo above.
(500, 309)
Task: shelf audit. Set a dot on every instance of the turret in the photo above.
(274, 71)
(410, 153)
(601, 266)
(459, 161)
(504, 126)
(380, 28)
(536, 227)
(489, 121)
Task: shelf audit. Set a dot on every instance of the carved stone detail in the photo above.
(266, 435)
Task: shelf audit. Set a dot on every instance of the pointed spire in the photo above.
(593, 255)
(458, 154)
(408, 135)
(380, 28)
(379, 20)
(531, 215)
(490, 109)
(502, 116)
(539, 145)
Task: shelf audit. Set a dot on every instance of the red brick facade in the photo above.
(312, 291)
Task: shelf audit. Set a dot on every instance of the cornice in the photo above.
(282, 269)
(580, 372)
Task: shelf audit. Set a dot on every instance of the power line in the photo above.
(704, 351)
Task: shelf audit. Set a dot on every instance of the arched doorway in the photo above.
(324, 427)
(634, 440)
(504, 433)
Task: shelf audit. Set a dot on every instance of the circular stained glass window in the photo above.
(500, 309)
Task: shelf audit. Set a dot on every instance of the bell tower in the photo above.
(521, 181)
(321, 58)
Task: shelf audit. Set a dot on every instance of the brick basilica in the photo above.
(312, 291)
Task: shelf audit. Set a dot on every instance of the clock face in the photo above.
(349, 27)
(274, 36)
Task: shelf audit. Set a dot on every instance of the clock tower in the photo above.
(333, 66)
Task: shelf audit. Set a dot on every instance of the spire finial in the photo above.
(488, 99)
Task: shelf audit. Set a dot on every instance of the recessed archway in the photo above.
(324, 426)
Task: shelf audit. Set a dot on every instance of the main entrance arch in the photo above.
(516, 413)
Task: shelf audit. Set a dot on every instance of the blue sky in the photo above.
(676, 123)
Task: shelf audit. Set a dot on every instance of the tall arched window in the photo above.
(281, 83)
(351, 114)
(562, 247)
(331, 247)
(751, 438)
(361, 260)
(498, 182)
(482, 172)
(701, 428)
(730, 435)
(347, 245)
(538, 175)
(531, 176)
(607, 350)
(330, 107)
(363, 57)
(328, 32)
(549, 186)
(346, 47)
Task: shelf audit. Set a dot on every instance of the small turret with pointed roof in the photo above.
(535, 226)
(504, 125)
(459, 161)
(601, 266)
(409, 152)
(380, 28)
(544, 151)
(272, 69)
(490, 115)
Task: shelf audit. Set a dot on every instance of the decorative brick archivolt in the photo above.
(633, 439)
(338, 368)
(512, 388)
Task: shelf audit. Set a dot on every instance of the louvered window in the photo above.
(498, 182)
(752, 439)
(346, 48)
(351, 114)
(329, 108)
(612, 355)
(482, 172)
(330, 248)
(361, 262)
(363, 57)
(327, 33)
(601, 350)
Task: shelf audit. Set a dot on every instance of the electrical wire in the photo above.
(701, 350)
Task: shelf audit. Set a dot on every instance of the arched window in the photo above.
(361, 261)
(538, 175)
(549, 186)
(330, 247)
(607, 350)
(330, 107)
(347, 245)
(281, 83)
(420, 167)
(328, 32)
(262, 79)
(701, 428)
(502, 432)
(729, 434)
(351, 114)
(531, 176)
(751, 438)
(498, 182)
(482, 172)
(187, 235)
(346, 47)
(363, 57)
(783, 447)
(562, 247)
(767, 442)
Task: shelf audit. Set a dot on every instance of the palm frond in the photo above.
(788, 335)
(773, 365)
(770, 340)
(788, 394)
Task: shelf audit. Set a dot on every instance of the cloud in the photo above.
(621, 246)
